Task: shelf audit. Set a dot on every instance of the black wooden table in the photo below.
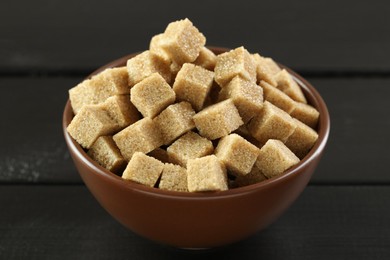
(342, 47)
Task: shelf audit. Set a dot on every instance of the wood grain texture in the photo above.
(307, 35)
(65, 222)
(32, 147)
(33, 150)
(357, 150)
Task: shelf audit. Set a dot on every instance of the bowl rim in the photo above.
(310, 92)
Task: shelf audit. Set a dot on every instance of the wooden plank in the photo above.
(32, 147)
(35, 152)
(358, 150)
(312, 36)
(65, 222)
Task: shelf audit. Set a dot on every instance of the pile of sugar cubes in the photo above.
(179, 117)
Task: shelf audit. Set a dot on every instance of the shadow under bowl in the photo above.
(199, 220)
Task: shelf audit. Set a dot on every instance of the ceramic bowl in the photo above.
(199, 220)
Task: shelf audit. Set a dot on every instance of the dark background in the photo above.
(341, 47)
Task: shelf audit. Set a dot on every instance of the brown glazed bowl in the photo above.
(199, 220)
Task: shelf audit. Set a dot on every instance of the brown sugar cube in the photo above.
(306, 114)
(182, 41)
(142, 136)
(106, 153)
(237, 62)
(237, 154)
(82, 95)
(255, 176)
(160, 154)
(189, 146)
(155, 48)
(193, 84)
(265, 71)
(173, 177)
(107, 83)
(206, 59)
(275, 158)
(218, 120)
(91, 122)
(272, 66)
(152, 95)
(302, 140)
(277, 97)
(206, 174)
(174, 121)
(143, 169)
(246, 95)
(113, 80)
(144, 65)
(120, 109)
(271, 123)
(287, 84)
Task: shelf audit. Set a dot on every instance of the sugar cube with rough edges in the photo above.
(263, 70)
(174, 121)
(91, 122)
(182, 41)
(206, 59)
(152, 95)
(237, 154)
(218, 120)
(271, 123)
(173, 177)
(306, 114)
(143, 169)
(287, 84)
(272, 66)
(206, 174)
(155, 48)
(144, 65)
(121, 110)
(302, 139)
(193, 84)
(235, 62)
(189, 146)
(105, 152)
(277, 97)
(246, 95)
(142, 136)
(110, 82)
(275, 158)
